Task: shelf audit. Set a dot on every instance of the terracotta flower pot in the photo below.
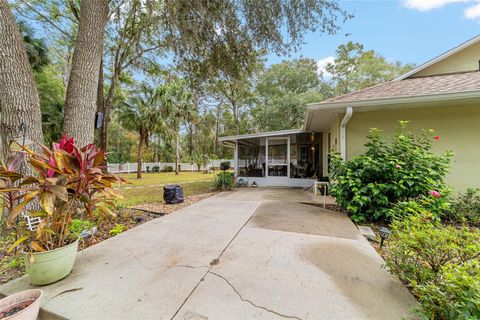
(50, 266)
(26, 302)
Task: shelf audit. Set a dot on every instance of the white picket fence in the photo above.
(132, 167)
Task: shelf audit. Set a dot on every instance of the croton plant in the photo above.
(68, 183)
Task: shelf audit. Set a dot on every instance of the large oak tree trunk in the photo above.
(80, 105)
(19, 101)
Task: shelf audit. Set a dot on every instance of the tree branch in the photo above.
(46, 19)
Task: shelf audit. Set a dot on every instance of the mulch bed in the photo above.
(129, 218)
(161, 208)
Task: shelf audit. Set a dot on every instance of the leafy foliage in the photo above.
(224, 34)
(423, 204)
(393, 169)
(145, 113)
(69, 184)
(465, 208)
(354, 68)
(119, 228)
(78, 225)
(52, 93)
(439, 263)
(283, 91)
(224, 181)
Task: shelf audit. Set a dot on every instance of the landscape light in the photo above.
(384, 234)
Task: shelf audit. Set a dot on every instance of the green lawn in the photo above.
(191, 182)
(164, 177)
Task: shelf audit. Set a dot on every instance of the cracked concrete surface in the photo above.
(249, 301)
(247, 254)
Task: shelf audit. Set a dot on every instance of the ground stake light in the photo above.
(384, 234)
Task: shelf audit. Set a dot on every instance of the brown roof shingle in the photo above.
(439, 84)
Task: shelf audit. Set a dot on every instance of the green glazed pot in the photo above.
(50, 266)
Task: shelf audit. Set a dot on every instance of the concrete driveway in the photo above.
(247, 254)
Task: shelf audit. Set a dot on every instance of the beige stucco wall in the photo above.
(458, 127)
(334, 131)
(464, 60)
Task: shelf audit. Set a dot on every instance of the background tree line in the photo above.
(169, 77)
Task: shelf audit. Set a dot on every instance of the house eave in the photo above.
(385, 103)
(396, 100)
(260, 135)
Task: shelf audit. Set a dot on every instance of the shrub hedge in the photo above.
(393, 169)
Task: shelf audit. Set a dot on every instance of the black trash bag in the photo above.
(173, 194)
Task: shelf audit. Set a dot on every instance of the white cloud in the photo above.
(321, 65)
(426, 5)
(473, 12)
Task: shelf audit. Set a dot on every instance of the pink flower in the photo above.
(436, 137)
(434, 193)
(398, 166)
(65, 144)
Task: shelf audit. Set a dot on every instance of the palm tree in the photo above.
(178, 100)
(145, 112)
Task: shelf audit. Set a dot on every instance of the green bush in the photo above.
(465, 208)
(155, 168)
(168, 169)
(393, 169)
(439, 263)
(224, 181)
(454, 294)
(119, 228)
(78, 225)
(424, 204)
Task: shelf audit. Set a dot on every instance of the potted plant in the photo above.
(67, 184)
(23, 305)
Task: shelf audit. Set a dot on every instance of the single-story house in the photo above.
(442, 94)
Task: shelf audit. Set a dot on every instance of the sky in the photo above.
(410, 31)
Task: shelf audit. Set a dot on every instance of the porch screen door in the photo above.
(278, 157)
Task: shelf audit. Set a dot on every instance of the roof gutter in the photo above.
(405, 100)
(343, 132)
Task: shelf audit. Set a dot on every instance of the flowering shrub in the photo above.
(437, 205)
(439, 263)
(68, 184)
(393, 169)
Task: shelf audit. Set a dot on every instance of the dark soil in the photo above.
(130, 218)
(10, 311)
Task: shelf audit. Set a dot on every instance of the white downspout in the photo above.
(343, 132)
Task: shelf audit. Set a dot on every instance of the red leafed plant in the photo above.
(68, 183)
